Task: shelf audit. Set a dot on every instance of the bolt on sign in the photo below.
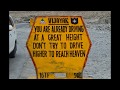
(58, 46)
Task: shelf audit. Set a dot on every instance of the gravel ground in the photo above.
(98, 25)
(100, 16)
(99, 60)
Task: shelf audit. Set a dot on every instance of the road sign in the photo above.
(58, 46)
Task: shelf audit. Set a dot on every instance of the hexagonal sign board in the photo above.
(58, 46)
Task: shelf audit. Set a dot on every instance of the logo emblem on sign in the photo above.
(74, 20)
(42, 21)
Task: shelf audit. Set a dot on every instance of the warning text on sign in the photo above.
(48, 41)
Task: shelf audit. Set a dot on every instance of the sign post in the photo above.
(31, 21)
(59, 47)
